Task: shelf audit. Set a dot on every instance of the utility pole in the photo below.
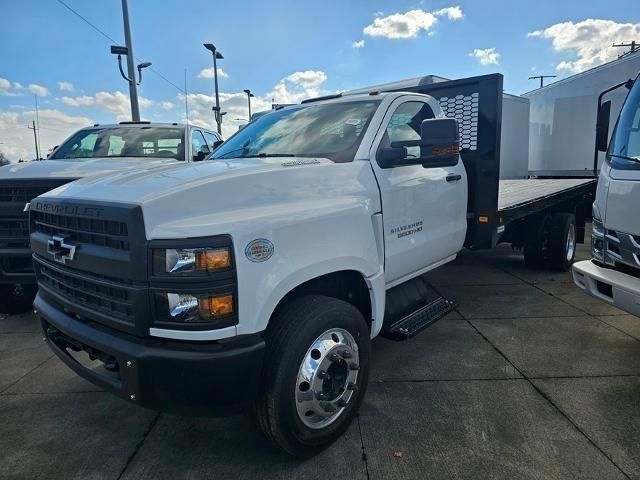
(38, 123)
(133, 92)
(635, 47)
(542, 77)
(35, 138)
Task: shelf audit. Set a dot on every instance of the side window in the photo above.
(84, 148)
(199, 147)
(405, 124)
(211, 139)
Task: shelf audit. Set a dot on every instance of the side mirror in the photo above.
(391, 157)
(602, 126)
(440, 142)
(217, 143)
(198, 157)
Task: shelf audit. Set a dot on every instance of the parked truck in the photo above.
(90, 151)
(257, 279)
(613, 274)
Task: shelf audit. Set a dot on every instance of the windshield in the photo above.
(624, 150)
(123, 142)
(330, 130)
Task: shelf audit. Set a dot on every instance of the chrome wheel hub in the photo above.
(327, 378)
(571, 242)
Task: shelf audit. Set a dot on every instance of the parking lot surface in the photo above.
(527, 379)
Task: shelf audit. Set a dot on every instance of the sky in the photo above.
(284, 51)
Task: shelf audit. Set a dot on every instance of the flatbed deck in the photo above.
(514, 194)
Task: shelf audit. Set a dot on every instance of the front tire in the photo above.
(316, 374)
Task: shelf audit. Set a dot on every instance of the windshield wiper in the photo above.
(269, 155)
(242, 148)
(624, 157)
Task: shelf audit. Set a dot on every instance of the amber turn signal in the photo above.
(214, 307)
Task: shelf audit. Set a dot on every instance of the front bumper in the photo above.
(611, 286)
(188, 378)
(16, 266)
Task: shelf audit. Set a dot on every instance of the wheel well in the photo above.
(347, 285)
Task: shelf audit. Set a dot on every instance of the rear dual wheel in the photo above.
(551, 241)
(316, 374)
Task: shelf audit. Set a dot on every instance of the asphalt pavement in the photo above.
(527, 379)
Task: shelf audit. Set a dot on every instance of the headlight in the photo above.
(213, 309)
(597, 240)
(191, 261)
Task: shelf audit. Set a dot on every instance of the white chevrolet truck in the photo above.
(90, 151)
(613, 274)
(257, 279)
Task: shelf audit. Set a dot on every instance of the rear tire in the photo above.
(536, 247)
(562, 242)
(304, 414)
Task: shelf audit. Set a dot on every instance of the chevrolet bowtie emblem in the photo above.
(60, 249)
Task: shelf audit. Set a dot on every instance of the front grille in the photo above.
(14, 222)
(22, 194)
(14, 230)
(94, 293)
(103, 233)
(622, 249)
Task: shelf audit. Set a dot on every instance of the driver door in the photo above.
(423, 209)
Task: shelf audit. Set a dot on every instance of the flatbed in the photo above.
(514, 194)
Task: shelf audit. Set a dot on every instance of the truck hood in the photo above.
(191, 200)
(77, 168)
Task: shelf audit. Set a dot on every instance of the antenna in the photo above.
(186, 97)
(542, 77)
(635, 47)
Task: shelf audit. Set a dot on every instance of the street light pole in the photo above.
(249, 95)
(216, 56)
(133, 92)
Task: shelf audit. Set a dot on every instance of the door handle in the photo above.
(453, 177)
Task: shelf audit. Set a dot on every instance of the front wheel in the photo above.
(316, 374)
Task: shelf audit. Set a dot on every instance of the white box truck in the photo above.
(613, 274)
(256, 280)
(563, 116)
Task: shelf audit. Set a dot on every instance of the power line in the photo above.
(84, 19)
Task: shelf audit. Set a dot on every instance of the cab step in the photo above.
(417, 321)
(411, 307)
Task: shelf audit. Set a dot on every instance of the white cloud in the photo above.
(452, 13)
(113, 102)
(5, 84)
(38, 90)
(55, 126)
(409, 24)
(167, 105)
(358, 44)
(291, 89)
(18, 86)
(65, 86)
(589, 40)
(298, 86)
(208, 73)
(487, 56)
